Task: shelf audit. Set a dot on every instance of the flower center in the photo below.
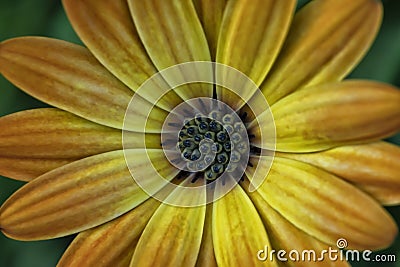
(203, 138)
(212, 144)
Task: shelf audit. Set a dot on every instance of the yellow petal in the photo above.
(372, 167)
(111, 244)
(171, 33)
(206, 256)
(79, 196)
(143, 116)
(327, 39)
(285, 236)
(252, 34)
(326, 207)
(210, 13)
(238, 231)
(250, 39)
(173, 235)
(330, 115)
(107, 29)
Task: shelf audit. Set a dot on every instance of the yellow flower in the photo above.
(314, 155)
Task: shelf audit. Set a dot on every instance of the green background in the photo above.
(47, 18)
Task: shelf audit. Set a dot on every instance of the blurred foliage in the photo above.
(47, 18)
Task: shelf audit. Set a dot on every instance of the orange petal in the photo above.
(326, 207)
(79, 196)
(327, 39)
(67, 76)
(285, 236)
(372, 167)
(172, 34)
(111, 244)
(26, 169)
(238, 232)
(53, 133)
(107, 29)
(35, 141)
(331, 115)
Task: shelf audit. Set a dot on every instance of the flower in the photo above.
(325, 182)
